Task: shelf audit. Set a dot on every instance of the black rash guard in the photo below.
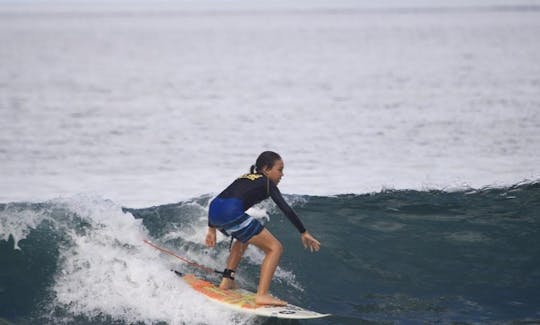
(253, 188)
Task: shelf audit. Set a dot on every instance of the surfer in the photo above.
(228, 214)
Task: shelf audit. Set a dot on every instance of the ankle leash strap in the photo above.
(229, 274)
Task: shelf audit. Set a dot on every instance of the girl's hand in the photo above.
(211, 237)
(310, 242)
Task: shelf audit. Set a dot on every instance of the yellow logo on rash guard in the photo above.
(251, 177)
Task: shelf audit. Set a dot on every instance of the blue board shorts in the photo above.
(229, 217)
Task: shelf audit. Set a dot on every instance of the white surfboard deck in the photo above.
(244, 301)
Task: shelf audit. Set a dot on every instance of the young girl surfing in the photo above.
(228, 214)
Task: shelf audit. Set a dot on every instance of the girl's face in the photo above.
(275, 173)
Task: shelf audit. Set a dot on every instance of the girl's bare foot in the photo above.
(227, 284)
(269, 300)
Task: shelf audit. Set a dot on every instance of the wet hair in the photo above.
(266, 159)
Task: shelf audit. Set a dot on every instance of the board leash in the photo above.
(183, 259)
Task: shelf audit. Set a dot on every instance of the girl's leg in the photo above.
(237, 251)
(273, 249)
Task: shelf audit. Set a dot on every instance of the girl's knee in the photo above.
(276, 247)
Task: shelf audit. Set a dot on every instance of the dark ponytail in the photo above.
(266, 159)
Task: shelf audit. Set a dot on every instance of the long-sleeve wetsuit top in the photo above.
(251, 189)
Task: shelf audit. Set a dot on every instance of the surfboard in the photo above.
(236, 299)
(244, 301)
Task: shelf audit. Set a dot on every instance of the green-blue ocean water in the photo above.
(392, 257)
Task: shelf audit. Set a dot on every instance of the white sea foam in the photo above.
(108, 270)
(105, 269)
(18, 223)
(156, 106)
